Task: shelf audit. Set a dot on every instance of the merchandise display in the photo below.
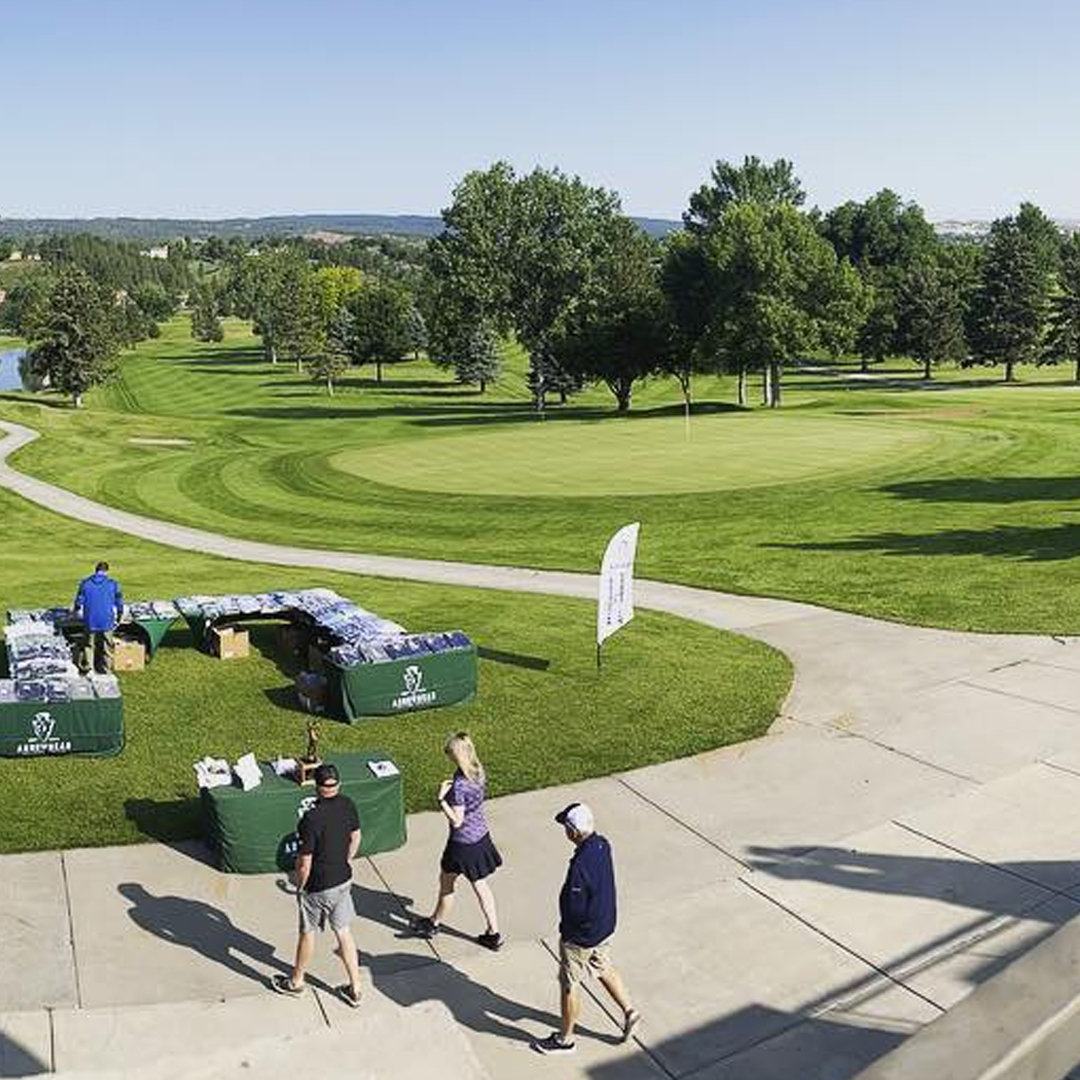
(255, 832)
(361, 663)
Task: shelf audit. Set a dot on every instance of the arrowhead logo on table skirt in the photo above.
(414, 695)
(42, 740)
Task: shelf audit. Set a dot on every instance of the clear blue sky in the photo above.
(189, 108)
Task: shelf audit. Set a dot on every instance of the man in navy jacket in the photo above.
(586, 923)
(100, 604)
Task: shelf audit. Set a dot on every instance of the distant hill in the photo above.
(162, 229)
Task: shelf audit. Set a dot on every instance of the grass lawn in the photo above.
(950, 504)
(542, 715)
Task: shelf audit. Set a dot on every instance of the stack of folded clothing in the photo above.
(39, 659)
(152, 609)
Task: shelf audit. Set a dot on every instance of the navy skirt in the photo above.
(476, 860)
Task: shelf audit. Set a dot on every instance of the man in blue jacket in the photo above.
(586, 923)
(100, 604)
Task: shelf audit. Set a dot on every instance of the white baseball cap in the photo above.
(578, 817)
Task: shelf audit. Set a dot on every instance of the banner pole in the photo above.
(598, 656)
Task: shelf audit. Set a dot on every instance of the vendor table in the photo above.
(254, 832)
(424, 681)
(151, 632)
(38, 729)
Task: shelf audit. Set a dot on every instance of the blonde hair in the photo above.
(462, 751)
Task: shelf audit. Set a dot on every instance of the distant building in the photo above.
(156, 252)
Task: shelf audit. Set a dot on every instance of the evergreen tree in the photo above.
(481, 360)
(930, 316)
(73, 344)
(1008, 311)
(1063, 340)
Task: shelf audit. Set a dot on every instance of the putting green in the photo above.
(642, 455)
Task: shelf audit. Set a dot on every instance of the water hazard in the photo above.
(11, 376)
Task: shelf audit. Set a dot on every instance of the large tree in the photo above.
(751, 182)
(884, 238)
(930, 316)
(781, 292)
(1063, 340)
(375, 326)
(205, 324)
(619, 330)
(1008, 312)
(515, 253)
(73, 343)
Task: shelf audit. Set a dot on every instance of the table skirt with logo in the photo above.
(254, 832)
(426, 681)
(92, 727)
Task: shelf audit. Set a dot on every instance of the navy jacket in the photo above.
(587, 900)
(99, 602)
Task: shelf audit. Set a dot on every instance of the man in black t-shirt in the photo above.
(329, 840)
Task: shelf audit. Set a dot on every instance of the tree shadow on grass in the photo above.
(1005, 489)
(1050, 543)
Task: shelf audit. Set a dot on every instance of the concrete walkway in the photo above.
(791, 907)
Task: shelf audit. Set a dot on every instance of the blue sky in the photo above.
(189, 108)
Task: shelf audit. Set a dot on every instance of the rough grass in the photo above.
(542, 716)
(951, 504)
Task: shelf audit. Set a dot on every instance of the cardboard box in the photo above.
(128, 654)
(228, 643)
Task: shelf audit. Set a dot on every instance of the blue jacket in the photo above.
(99, 601)
(587, 900)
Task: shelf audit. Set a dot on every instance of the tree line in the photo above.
(754, 282)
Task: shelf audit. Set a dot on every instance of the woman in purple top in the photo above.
(469, 849)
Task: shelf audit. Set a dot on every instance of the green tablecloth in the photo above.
(36, 729)
(254, 832)
(150, 631)
(428, 681)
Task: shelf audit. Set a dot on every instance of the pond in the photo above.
(11, 369)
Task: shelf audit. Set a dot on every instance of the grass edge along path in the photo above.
(670, 688)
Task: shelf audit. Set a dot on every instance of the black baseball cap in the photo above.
(326, 775)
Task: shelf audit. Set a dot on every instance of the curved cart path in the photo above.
(806, 898)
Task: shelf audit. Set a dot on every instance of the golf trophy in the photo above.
(306, 766)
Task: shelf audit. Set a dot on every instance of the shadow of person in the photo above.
(203, 928)
(473, 1005)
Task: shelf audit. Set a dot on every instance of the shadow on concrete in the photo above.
(821, 1048)
(204, 929)
(16, 1060)
(472, 1004)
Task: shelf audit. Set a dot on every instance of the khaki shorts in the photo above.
(576, 961)
(333, 906)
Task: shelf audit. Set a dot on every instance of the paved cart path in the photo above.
(795, 905)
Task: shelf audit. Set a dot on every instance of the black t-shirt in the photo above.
(324, 834)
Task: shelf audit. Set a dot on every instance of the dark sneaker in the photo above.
(283, 984)
(491, 941)
(351, 997)
(553, 1044)
(425, 928)
(631, 1022)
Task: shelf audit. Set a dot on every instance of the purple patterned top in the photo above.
(470, 794)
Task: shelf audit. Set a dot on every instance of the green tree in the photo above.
(334, 360)
(751, 182)
(154, 300)
(619, 330)
(300, 329)
(205, 324)
(1008, 312)
(481, 360)
(1044, 237)
(780, 291)
(516, 253)
(930, 322)
(374, 326)
(1063, 340)
(73, 344)
(26, 304)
